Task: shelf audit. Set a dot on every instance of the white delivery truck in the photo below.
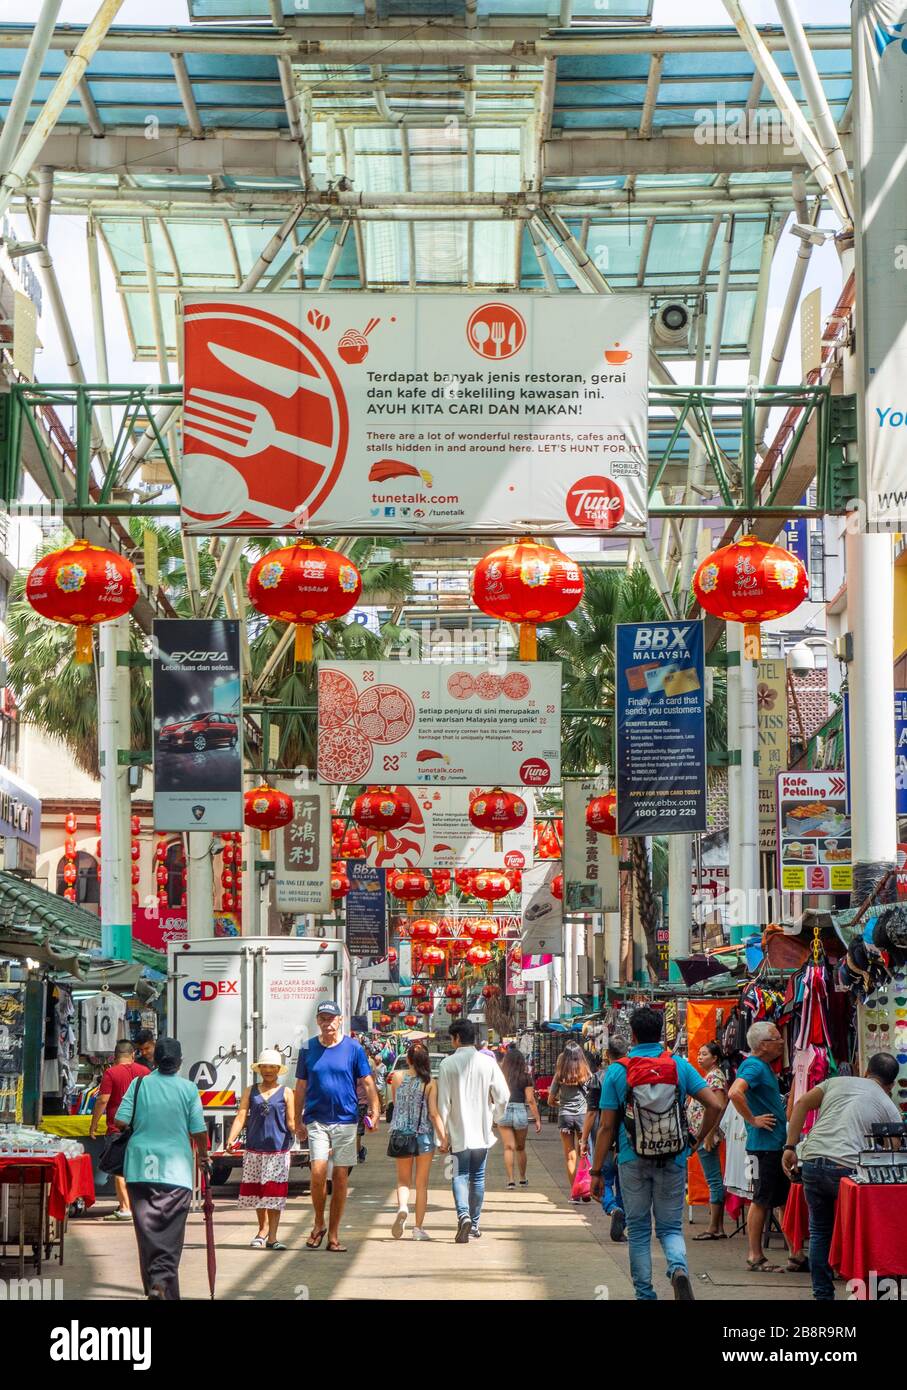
(229, 997)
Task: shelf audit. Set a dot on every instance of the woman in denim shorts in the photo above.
(415, 1097)
(515, 1124)
(568, 1089)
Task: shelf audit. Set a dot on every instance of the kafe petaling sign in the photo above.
(20, 810)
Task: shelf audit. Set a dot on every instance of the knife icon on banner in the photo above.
(283, 381)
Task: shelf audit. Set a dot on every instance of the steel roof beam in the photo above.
(89, 106)
(818, 103)
(572, 156)
(187, 96)
(26, 82)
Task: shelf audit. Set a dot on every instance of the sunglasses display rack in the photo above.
(882, 1027)
(880, 1161)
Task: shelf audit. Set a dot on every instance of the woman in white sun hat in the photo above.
(267, 1112)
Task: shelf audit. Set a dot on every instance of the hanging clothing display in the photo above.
(739, 1166)
(103, 1022)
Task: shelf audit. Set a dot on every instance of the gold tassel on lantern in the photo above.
(84, 644)
(303, 649)
(528, 644)
(752, 642)
(266, 842)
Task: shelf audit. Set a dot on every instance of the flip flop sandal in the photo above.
(258, 1243)
(763, 1267)
(278, 1245)
(315, 1239)
(334, 1247)
(711, 1235)
(798, 1266)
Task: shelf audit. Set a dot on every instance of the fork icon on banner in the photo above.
(244, 428)
(497, 336)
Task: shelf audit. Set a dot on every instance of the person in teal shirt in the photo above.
(166, 1117)
(756, 1095)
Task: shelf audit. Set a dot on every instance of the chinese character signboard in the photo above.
(302, 881)
(387, 721)
(771, 715)
(591, 871)
(403, 414)
(814, 833)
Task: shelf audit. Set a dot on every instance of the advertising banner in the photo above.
(440, 835)
(591, 871)
(388, 721)
(366, 910)
(20, 810)
(880, 136)
(900, 750)
(543, 918)
(515, 986)
(302, 880)
(158, 927)
(771, 717)
(405, 414)
(198, 783)
(813, 833)
(661, 754)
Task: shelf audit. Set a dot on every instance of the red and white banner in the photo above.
(440, 835)
(158, 927)
(406, 414)
(388, 721)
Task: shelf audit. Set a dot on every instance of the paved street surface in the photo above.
(536, 1245)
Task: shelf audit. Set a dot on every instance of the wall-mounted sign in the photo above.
(302, 871)
(814, 845)
(366, 910)
(440, 835)
(198, 781)
(591, 869)
(20, 810)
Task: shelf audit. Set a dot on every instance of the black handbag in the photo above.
(113, 1157)
(400, 1144)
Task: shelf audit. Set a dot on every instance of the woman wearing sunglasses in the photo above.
(267, 1113)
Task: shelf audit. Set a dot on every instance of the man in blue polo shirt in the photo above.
(327, 1105)
(651, 1186)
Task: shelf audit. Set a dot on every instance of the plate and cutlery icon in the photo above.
(496, 331)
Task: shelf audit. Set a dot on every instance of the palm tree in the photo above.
(585, 644)
(60, 698)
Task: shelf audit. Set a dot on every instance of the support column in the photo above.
(743, 786)
(114, 728)
(870, 618)
(199, 885)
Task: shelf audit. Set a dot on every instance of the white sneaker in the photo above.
(399, 1225)
(419, 1234)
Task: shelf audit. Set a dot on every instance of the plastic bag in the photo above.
(582, 1182)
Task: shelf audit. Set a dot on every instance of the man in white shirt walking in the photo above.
(472, 1096)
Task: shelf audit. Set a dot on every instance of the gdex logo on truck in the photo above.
(206, 990)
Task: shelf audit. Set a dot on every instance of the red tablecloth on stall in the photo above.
(68, 1178)
(870, 1230)
(795, 1223)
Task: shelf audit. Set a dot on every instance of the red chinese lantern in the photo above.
(340, 882)
(304, 584)
(483, 930)
(441, 882)
(228, 901)
(497, 811)
(601, 816)
(490, 886)
(351, 846)
(424, 929)
(70, 848)
(478, 955)
(381, 809)
(453, 991)
(70, 824)
(409, 884)
(227, 879)
(135, 898)
(396, 1006)
(515, 877)
(384, 1021)
(69, 894)
(135, 849)
(136, 824)
(464, 879)
(82, 584)
(490, 991)
(411, 1020)
(97, 848)
(557, 887)
(267, 809)
(454, 1008)
(162, 875)
(229, 853)
(750, 582)
(547, 840)
(136, 873)
(433, 956)
(70, 874)
(97, 822)
(527, 583)
(160, 850)
(419, 991)
(425, 1007)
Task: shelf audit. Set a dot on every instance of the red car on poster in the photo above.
(202, 731)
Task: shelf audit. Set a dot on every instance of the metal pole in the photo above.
(785, 323)
(743, 786)
(114, 733)
(308, 241)
(199, 885)
(818, 102)
(105, 415)
(26, 157)
(154, 299)
(334, 256)
(24, 90)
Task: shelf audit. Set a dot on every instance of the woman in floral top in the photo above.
(709, 1061)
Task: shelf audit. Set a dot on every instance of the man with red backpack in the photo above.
(644, 1098)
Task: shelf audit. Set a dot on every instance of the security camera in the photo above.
(807, 232)
(801, 659)
(671, 324)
